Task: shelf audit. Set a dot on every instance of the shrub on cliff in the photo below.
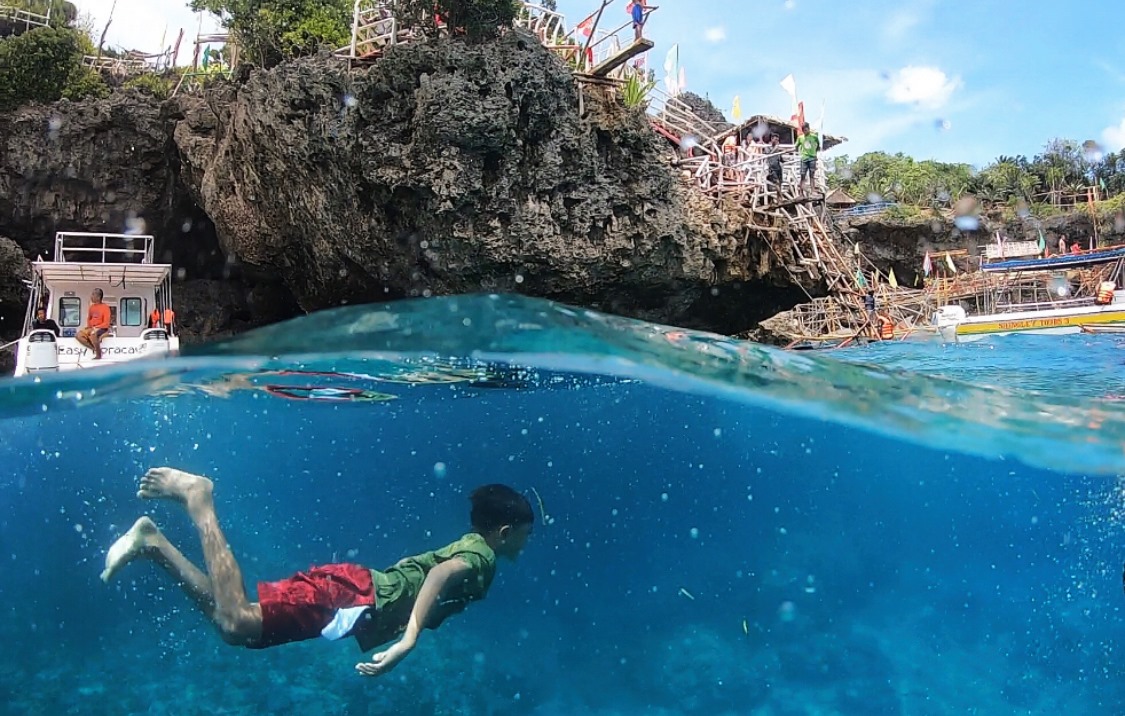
(270, 31)
(155, 85)
(35, 66)
(475, 19)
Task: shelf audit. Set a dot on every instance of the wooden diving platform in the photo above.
(612, 62)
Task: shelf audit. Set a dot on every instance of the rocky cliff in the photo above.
(442, 168)
(902, 244)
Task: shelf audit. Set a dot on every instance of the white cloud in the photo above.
(899, 24)
(1115, 136)
(790, 4)
(923, 86)
(140, 24)
(716, 34)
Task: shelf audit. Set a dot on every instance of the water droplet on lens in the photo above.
(967, 223)
(874, 198)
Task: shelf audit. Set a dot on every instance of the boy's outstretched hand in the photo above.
(384, 661)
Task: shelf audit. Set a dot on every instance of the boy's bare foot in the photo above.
(172, 484)
(141, 536)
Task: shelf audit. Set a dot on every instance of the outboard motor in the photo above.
(946, 320)
(42, 352)
(155, 342)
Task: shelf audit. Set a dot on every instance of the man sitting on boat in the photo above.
(42, 323)
(97, 324)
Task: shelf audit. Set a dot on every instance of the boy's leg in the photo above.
(239, 621)
(145, 540)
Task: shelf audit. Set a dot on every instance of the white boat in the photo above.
(137, 291)
(1056, 295)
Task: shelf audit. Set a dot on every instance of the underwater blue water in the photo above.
(892, 529)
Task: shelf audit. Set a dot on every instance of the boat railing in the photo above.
(89, 247)
(1044, 305)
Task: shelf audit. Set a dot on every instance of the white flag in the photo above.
(682, 84)
(790, 86)
(672, 60)
(671, 63)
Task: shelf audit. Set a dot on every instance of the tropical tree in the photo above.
(270, 31)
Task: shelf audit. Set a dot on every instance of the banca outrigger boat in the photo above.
(1054, 295)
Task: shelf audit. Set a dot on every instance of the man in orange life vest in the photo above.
(97, 324)
(159, 318)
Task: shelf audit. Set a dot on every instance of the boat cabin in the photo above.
(136, 291)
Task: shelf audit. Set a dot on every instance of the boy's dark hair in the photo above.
(497, 505)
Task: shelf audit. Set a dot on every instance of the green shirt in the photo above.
(808, 144)
(397, 587)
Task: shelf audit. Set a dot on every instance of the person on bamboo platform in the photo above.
(808, 144)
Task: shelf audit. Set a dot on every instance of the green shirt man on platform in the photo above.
(808, 144)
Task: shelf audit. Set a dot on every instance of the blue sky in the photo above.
(957, 80)
(1006, 75)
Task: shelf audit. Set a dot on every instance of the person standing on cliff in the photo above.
(636, 10)
(808, 144)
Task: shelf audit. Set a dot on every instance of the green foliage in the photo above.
(1045, 182)
(84, 83)
(900, 178)
(270, 31)
(36, 66)
(474, 19)
(635, 90)
(155, 85)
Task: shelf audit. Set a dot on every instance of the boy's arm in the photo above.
(446, 575)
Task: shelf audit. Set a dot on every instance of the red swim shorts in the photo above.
(299, 607)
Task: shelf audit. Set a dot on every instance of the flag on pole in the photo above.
(891, 278)
(671, 66)
(736, 110)
(790, 86)
(586, 27)
(1042, 242)
(927, 265)
(682, 84)
(799, 116)
(949, 262)
(859, 279)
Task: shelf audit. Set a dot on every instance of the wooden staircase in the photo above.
(675, 119)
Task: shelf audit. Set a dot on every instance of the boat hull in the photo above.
(1057, 322)
(74, 356)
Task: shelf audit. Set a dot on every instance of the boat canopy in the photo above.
(1054, 263)
(56, 272)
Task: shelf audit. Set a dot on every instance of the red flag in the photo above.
(799, 118)
(585, 27)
